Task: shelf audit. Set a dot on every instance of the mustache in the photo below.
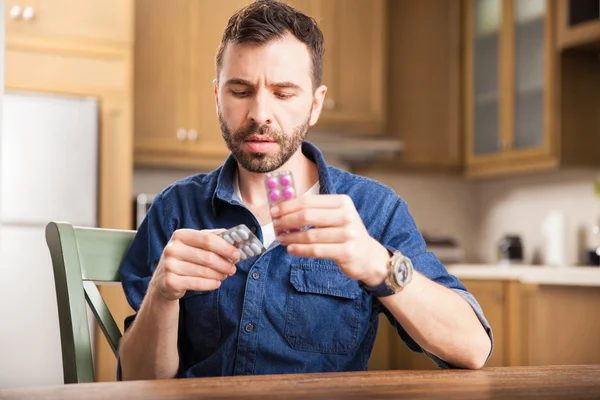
(256, 129)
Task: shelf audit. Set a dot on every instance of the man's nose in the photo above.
(260, 109)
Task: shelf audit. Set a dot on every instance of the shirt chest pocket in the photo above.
(200, 318)
(323, 309)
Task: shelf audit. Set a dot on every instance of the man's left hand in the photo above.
(338, 234)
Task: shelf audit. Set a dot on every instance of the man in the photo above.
(311, 302)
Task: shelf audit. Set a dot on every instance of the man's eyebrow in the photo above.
(238, 81)
(288, 85)
(281, 85)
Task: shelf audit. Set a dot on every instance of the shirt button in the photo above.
(253, 229)
(255, 275)
(249, 328)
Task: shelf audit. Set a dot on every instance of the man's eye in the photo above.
(283, 95)
(239, 93)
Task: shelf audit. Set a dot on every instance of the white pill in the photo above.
(243, 255)
(249, 251)
(244, 234)
(228, 238)
(235, 236)
(255, 248)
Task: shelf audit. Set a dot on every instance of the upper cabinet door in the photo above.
(89, 20)
(530, 74)
(208, 20)
(353, 64)
(161, 78)
(483, 76)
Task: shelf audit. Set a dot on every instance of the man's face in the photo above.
(265, 101)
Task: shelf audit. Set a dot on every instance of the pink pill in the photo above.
(288, 193)
(285, 180)
(274, 195)
(271, 183)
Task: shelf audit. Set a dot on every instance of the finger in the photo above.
(207, 241)
(333, 251)
(183, 252)
(318, 235)
(310, 201)
(179, 282)
(184, 268)
(319, 217)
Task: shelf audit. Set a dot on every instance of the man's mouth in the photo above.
(259, 139)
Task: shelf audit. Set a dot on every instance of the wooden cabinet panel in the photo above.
(176, 123)
(208, 21)
(162, 75)
(491, 297)
(538, 125)
(354, 65)
(63, 73)
(424, 48)
(95, 20)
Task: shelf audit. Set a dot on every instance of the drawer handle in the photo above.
(28, 13)
(15, 12)
(192, 135)
(181, 134)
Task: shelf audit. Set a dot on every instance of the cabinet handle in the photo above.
(192, 135)
(329, 104)
(181, 134)
(15, 12)
(28, 13)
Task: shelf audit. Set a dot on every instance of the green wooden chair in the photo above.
(81, 258)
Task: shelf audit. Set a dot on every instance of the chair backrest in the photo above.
(81, 258)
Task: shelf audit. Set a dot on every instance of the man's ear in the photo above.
(317, 104)
(216, 92)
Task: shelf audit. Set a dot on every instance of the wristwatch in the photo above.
(400, 273)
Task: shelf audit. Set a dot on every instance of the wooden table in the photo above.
(551, 382)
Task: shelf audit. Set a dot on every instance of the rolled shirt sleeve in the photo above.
(402, 234)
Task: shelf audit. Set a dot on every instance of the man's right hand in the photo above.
(193, 260)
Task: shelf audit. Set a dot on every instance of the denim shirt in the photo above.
(279, 313)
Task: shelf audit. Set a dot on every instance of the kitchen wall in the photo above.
(520, 204)
(476, 213)
(439, 205)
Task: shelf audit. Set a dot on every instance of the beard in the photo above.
(263, 162)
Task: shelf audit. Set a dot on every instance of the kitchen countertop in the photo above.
(543, 275)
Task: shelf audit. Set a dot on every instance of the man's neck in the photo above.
(252, 186)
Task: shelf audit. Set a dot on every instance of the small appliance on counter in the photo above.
(446, 249)
(510, 250)
(141, 205)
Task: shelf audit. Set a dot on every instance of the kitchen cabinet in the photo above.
(523, 110)
(176, 123)
(527, 320)
(59, 21)
(354, 63)
(175, 114)
(84, 48)
(578, 23)
(424, 92)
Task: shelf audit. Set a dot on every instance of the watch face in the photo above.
(403, 271)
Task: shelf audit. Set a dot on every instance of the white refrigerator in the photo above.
(48, 171)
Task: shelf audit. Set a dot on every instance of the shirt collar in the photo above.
(224, 190)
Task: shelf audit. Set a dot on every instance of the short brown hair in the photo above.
(265, 20)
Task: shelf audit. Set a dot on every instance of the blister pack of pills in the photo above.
(245, 241)
(280, 187)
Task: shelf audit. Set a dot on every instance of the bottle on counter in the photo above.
(593, 247)
(593, 242)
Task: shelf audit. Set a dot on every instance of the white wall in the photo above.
(476, 213)
(520, 204)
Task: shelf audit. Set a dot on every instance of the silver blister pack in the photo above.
(245, 241)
